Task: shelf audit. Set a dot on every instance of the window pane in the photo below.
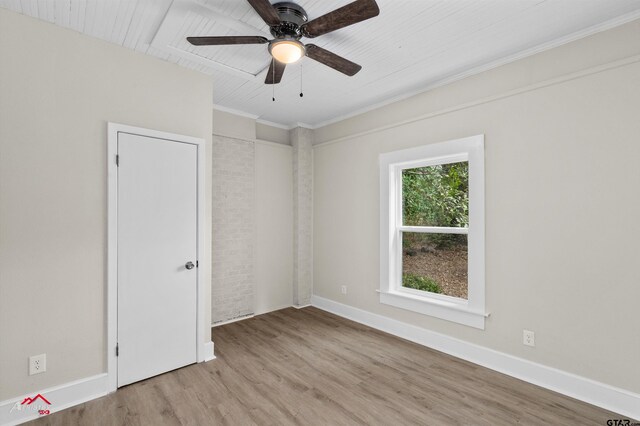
(436, 195)
(435, 263)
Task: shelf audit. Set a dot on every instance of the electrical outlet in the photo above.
(344, 289)
(528, 338)
(37, 364)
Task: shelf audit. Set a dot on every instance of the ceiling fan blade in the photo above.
(276, 69)
(266, 11)
(332, 60)
(350, 14)
(219, 41)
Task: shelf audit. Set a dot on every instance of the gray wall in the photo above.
(562, 175)
(58, 90)
(269, 133)
(274, 230)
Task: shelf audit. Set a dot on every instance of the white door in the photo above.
(157, 238)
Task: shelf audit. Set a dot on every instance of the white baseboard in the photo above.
(65, 396)
(60, 397)
(209, 352)
(599, 394)
(301, 306)
(232, 320)
(257, 313)
(273, 308)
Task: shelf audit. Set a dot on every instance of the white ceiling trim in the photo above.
(255, 117)
(274, 124)
(236, 112)
(607, 25)
(172, 24)
(284, 126)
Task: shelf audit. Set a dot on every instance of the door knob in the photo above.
(189, 265)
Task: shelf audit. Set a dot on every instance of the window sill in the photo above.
(446, 310)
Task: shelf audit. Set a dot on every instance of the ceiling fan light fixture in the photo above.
(286, 51)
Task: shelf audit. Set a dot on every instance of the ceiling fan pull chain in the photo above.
(301, 94)
(273, 75)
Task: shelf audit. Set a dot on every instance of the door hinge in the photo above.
(117, 349)
(117, 160)
(196, 263)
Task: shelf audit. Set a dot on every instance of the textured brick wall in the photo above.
(302, 215)
(233, 228)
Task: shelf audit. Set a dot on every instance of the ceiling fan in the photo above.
(288, 23)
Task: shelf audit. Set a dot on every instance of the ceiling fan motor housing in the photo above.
(292, 16)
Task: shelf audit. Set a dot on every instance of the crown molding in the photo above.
(218, 107)
(274, 124)
(603, 26)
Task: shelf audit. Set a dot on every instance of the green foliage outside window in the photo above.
(437, 196)
(420, 283)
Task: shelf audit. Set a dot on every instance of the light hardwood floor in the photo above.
(311, 367)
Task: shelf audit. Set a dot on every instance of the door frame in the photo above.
(204, 349)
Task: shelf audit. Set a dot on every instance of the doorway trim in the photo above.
(204, 348)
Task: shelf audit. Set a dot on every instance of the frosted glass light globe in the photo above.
(287, 51)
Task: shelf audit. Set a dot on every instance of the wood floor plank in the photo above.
(309, 367)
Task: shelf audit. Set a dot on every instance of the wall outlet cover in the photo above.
(37, 364)
(528, 338)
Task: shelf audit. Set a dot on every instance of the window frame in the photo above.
(470, 312)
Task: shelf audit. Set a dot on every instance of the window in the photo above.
(432, 230)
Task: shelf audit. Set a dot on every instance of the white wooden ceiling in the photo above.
(411, 46)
